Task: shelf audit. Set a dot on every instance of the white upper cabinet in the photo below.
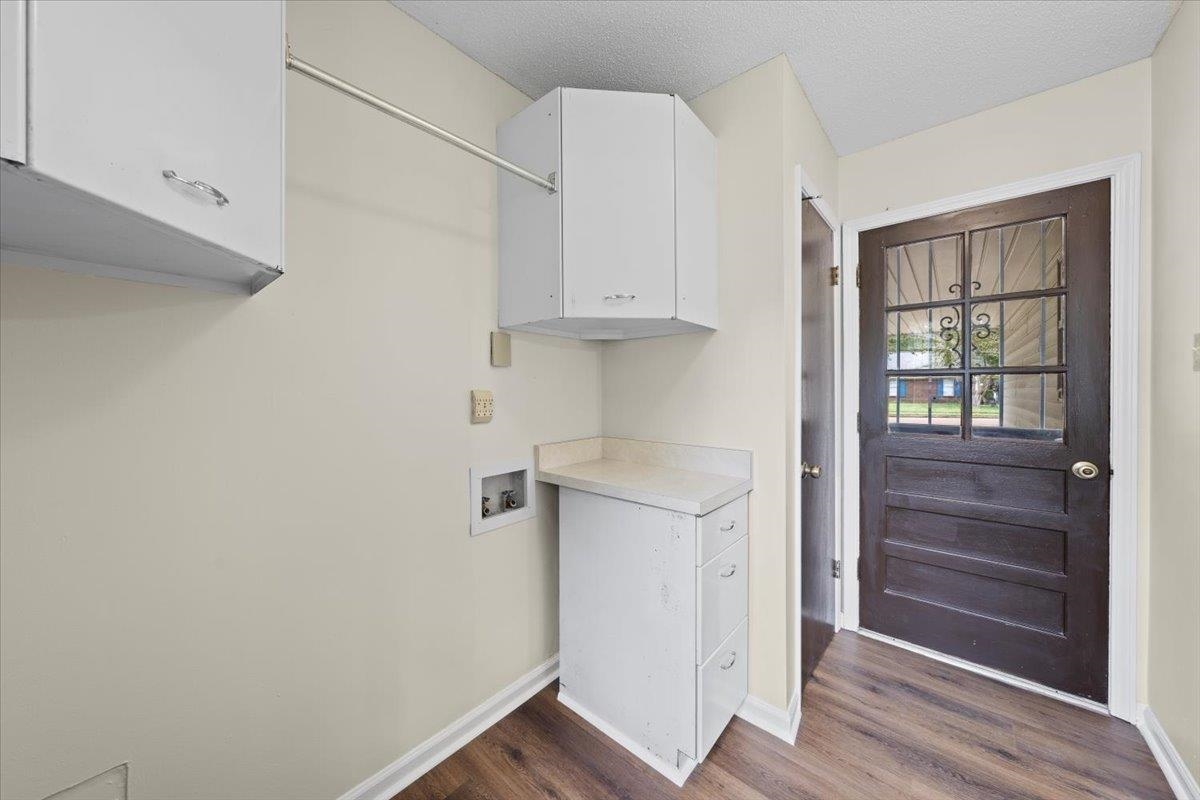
(155, 141)
(618, 198)
(626, 247)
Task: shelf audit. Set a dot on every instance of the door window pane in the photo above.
(1018, 258)
(927, 338)
(1017, 333)
(924, 272)
(925, 405)
(1018, 406)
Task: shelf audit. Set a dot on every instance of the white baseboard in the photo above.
(388, 782)
(772, 719)
(1182, 781)
(988, 672)
(676, 774)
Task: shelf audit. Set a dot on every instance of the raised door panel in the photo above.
(695, 218)
(122, 91)
(618, 205)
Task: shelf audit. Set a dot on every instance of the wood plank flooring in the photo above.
(879, 723)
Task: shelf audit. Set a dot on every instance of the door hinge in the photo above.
(833, 276)
(858, 569)
(858, 421)
(837, 568)
(858, 276)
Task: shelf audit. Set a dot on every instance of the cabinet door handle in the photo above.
(729, 527)
(620, 296)
(728, 571)
(216, 194)
(728, 664)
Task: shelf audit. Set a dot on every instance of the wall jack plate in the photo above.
(482, 406)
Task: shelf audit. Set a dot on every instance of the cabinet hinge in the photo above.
(833, 276)
(837, 568)
(858, 276)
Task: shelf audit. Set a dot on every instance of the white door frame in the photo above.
(1125, 174)
(805, 187)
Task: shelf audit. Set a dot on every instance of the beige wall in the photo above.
(1095, 119)
(1175, 388)
(234, 544)
(731, 388)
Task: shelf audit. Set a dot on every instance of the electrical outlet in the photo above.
(482, 405)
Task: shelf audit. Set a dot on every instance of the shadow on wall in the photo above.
(83, 320)
(399, 214)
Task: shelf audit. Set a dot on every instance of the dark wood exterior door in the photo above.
(985, 435)
(817, 535)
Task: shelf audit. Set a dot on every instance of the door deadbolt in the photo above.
(1085, 469)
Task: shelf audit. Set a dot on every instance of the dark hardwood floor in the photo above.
(879, 722)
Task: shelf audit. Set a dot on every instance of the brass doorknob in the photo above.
(1085, 469)
(809, 470)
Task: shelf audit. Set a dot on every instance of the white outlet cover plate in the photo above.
(483, 405)
(481, 524)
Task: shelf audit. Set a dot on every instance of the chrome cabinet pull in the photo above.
(216, 194)
(620, 296)
(728, 571)
(729, 527)
(729, 663)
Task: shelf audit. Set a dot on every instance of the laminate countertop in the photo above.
(684, 478)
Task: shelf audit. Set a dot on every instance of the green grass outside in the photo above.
(940, 409)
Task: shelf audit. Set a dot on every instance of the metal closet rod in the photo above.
(378, 103)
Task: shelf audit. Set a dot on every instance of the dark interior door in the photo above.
(985, 435)
(817, 584)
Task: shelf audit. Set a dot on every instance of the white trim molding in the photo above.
(675, 773)
(1125, 176)
(771, 719)
(393, 778)
(1182, 781)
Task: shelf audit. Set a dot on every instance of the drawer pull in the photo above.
(728, 571)
(216, 194)
(727, 528)
(620, 296)
(728, 663)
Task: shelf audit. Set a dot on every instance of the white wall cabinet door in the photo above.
(618, 205)
(121, 91)
(695, 218)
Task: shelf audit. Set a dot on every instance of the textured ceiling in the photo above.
(874, 71)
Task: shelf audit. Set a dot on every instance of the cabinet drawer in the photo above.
(722, 684)
(721, 528)
(723, 597)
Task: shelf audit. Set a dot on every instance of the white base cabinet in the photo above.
(153, 144)
(653, 623)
